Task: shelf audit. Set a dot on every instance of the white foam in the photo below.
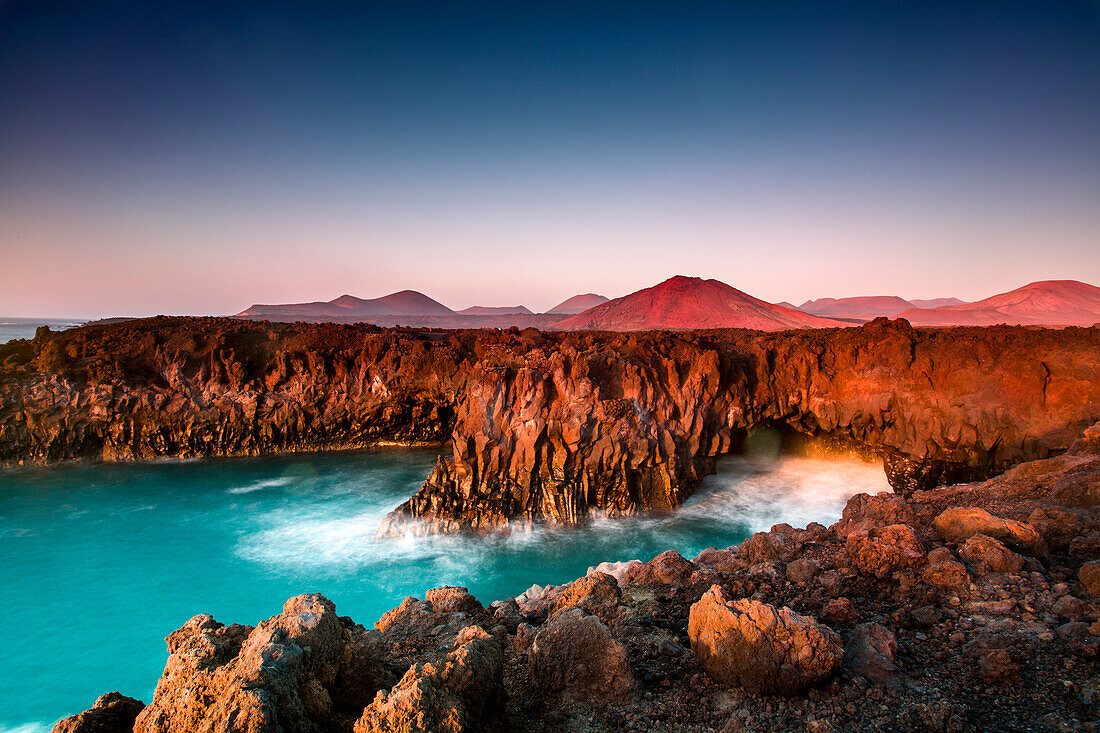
(267, 483)
(27, 728)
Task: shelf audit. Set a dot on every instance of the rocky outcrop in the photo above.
(112, 713)
(759, 647)
(549, 426)
(459, 694)
(575, 656)
(304, 670)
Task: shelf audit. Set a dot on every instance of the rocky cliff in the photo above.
(547, 426)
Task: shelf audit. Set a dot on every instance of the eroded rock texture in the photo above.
(547, 426)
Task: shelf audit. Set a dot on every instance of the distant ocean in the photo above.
(24, 328)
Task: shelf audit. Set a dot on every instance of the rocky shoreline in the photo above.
(546, 427)
(963, 608)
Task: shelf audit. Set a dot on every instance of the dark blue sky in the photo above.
(198, 157)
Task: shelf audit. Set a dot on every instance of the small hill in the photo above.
(868, 306)
(681, 303)
(495, 310)
(785, 304)
(1044, 303)
(578, 303)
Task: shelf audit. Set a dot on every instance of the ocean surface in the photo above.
(101, 562)
(24, 328)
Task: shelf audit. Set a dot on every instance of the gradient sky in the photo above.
(197, 157)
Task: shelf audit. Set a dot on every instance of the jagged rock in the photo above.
(839, 611)
(870, 652)
(596, 593)
(865, 512)
(1057, 528)
(988, 555)
(461, 693)
(281, 675)
(760, 647)
(1069, 607)
(766, 547)
(111, 713)
(665, 569)
(880, 552)
(957, 524)
(944, 572)
(575, 656)
(803, 571)
(1089, 575)
(452, 599)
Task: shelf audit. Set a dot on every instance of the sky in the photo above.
(190, 157)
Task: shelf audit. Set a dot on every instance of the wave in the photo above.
(27, 728)
(338, 530)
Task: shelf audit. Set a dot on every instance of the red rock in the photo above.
(575, 656)
(1089, 575)
(880, 552)
(864, 511)
(667, 568)
(111, 713)
(760, 647)
(960, 523)
(596, 593)
(462, 693)
(988, 555)
(870, 653)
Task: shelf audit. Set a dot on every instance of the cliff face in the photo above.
(548, 426)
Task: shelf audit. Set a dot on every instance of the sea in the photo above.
(24, 328)
(102, 561)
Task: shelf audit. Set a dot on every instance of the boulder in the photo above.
(762, 648)
(864, 512)
(803, 571)
(596, 593)
(616, 570)
(1089, 575)
(870, 653)
(668, 568)
(453, 599)
(290, 672)
(723, 560)
(111, 713)
(575, 656)
(461, 693)
(957, 524)
(1058, 528)
(882, 551)
(1080, 487)
(987, 555)
(766, 547)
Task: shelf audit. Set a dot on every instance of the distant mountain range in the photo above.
(690, 302)
(1044, 303)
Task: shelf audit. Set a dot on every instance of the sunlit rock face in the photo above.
(549, 426)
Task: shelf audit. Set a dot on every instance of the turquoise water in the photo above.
(24, 328)
(101, 562)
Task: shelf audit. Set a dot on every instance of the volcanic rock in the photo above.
(759, 647)
(1089, 575)
(864, 511)
(988, 555)
(575, 656)
(870, 652)
(462, 693)
(880, 552)
(111, 713)
(960, 523)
